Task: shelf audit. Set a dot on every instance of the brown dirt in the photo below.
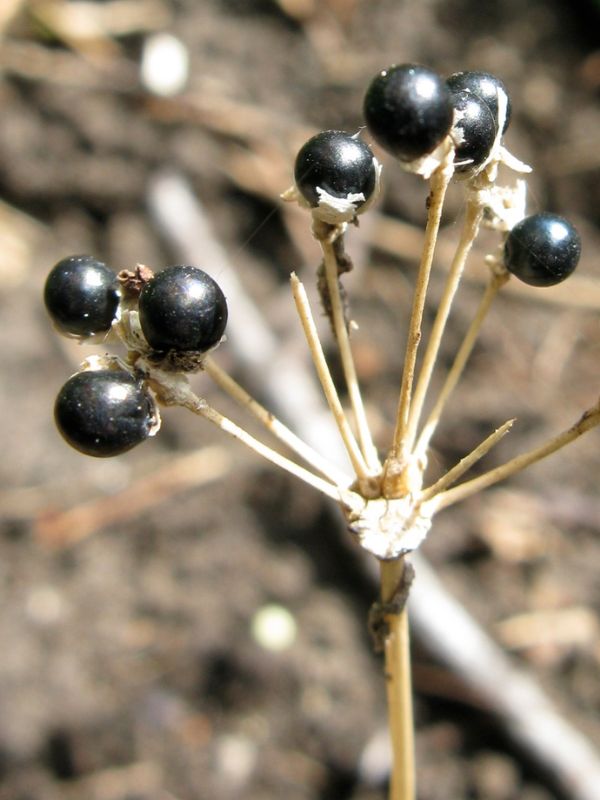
(128, 668)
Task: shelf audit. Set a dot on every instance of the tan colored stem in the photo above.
(277, 428)
(460, 361)
(439, 183)
(589, 420)
(176, 391)
(343, 341)
(316, 350)
(467, 462)
(241, 435)
(399, 687)
(468, 235)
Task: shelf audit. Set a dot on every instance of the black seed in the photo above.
(408, 111)
(485, 86)
(182, 308)
(542, 249)
(81, 295)
(104, 412)
(474, 131)
(338, 163)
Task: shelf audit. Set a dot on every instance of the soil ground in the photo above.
(129, 669)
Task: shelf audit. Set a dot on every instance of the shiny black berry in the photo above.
(542, 250)
(339, 164)
(473, 132)
(485, 86)
(408, 111)
(182, 309)
(81, 295)
(104, 412)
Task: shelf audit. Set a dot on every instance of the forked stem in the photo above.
(439, 184)
(343, 342)
(589, 420)
(316, 350)
(467, 462)
(497, 280)
(173, 390)
(469, 233)
(277, 428)
(398, 685)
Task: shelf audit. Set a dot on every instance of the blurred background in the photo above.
(133, 592)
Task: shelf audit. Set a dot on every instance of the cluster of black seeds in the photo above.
(409, 111)
(182, 311)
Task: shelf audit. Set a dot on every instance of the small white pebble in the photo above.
(235, 758)
(375, 761)
(45, 605)
(164, 68)
(274, 628)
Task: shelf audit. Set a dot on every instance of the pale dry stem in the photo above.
(175, 390)
(468, 235)
(589, 420)
(439, 184)
(275, 426)
(467, 462)
(343, 342)
(312, 337)
(460, 360)
(399, 686)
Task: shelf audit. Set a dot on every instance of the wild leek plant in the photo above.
(170, 323)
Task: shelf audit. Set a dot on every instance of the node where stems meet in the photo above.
(398, 455)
